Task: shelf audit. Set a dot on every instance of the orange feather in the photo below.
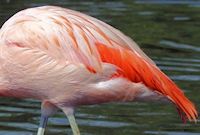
(137, 69)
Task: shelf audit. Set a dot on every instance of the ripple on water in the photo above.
(172, 44)
(19, 109)
(2, 132)
(187, 2)
(146, 13)
(185, 60)
(182, 18)
(153, 114)
(186, 77)
(94, 123)
(90, 116)
(24, 125)
(178, 65)
(169, 133)
(180, 69)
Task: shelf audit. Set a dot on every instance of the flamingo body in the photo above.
(67, 59)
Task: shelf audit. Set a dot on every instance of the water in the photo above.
(167, 30)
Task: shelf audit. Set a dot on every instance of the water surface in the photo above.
(168, 31)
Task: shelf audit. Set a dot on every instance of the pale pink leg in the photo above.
(69, 112)
(43, 123)
(47, 109)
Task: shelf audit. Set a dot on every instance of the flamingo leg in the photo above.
(47, 109)
(73, 124)
(69, 112)
(43, 123)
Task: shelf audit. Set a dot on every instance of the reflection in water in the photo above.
(167, 30)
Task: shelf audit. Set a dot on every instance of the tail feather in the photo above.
(176, 96)
(137, 69)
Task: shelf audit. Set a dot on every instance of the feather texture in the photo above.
(69, 34)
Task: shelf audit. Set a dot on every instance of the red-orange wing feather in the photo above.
(137, 69)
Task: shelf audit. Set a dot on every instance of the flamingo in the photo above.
(67, 59)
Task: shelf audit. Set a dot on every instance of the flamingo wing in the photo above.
(137, 69)
(70, 35)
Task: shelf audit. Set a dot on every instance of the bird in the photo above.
(67, 59)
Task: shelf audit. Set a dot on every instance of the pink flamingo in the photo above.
(66, 59)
